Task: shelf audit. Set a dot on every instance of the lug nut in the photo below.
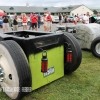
(1, 74)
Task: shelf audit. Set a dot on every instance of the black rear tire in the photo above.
(76, 53)
(18, 68)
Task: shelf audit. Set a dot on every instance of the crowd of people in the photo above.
(84, 18)
(36, 20)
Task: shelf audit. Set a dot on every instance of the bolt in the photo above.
(1, 73)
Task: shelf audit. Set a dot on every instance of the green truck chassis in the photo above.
(29, 60)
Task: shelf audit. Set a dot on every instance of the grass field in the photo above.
(83, 84)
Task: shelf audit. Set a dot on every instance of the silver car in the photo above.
(88, 36)
(55, 19)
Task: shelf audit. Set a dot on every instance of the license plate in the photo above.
(49, 72)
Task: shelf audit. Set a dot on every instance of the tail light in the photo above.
(44, 62)
(69, 56)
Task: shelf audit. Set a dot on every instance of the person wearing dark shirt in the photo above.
(60, 18)
(39, 20)
(30, 21)
(15, 23)
(5, 22)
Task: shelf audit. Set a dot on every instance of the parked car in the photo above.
(70, 19)
(55, 18)
(19, 21)
(29, 60)
(88, 36)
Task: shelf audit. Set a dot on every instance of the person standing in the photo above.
(45, 22)
(24, 21)
(66, 18)
(5, 19)
(75, 19)
(39, 20)
(49, 21)
(60, 18)
(15, 23)
(34, 19)
(30, 21)
(86, 18)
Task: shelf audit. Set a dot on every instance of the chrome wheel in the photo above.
(97, 48)
(5, 72)
(13, 67)
(9, 79)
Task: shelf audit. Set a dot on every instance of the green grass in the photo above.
(83, 84)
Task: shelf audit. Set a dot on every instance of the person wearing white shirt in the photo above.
(86, 18)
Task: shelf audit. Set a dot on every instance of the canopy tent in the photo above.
(2, 13)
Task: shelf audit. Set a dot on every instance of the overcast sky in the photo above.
(56, 3)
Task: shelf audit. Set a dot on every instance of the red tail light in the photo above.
(44, 62)
(69, 56)
(44, 66)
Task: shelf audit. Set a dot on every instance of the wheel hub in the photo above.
(98, 48)
(1, 74)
